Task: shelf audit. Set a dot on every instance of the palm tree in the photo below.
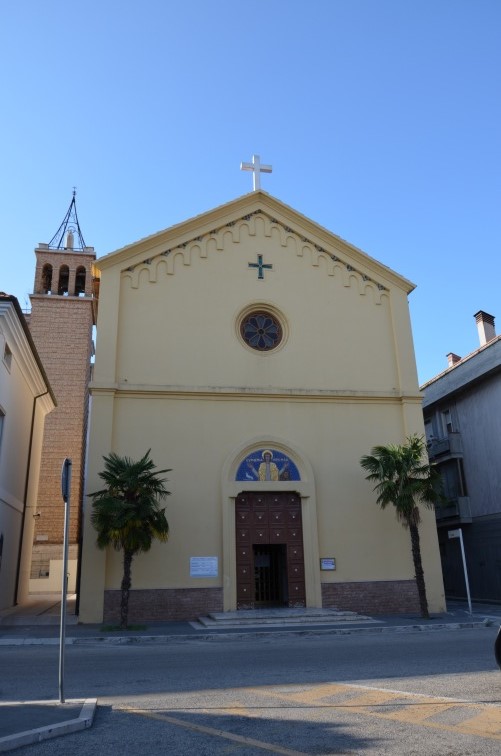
(126, 513)
(404, 478)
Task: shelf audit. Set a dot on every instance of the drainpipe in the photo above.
(25, 497)
(81, 508)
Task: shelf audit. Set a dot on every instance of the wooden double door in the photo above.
(269, 549)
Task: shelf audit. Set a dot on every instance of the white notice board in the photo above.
(203, 567)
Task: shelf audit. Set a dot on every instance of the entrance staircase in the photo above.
(281, 618)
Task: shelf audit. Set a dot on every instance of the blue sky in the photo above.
(381, 118)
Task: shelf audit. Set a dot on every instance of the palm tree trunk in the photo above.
(418, 568)
(126, 584)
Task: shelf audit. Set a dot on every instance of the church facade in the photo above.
(258, 356)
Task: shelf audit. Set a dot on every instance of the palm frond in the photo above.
(403, 477)
(126, 512)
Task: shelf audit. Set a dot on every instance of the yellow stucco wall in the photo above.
(172, 374)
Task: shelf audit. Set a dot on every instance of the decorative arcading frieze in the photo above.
(253, 224)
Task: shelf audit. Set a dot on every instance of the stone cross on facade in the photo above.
(256, 169)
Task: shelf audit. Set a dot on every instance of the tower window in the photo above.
(47, 279)
(64, 276)
(80, 282)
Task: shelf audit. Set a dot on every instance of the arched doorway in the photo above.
(269, 550)
(292, 553)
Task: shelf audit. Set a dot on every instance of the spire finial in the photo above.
(69, 230)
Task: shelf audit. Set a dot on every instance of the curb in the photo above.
(28, 737)
(225, 636)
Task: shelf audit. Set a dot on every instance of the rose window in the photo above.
(261, 331)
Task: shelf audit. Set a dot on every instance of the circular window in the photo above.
(261, 330)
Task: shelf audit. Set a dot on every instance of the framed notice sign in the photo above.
(328, 563)
(201, 567)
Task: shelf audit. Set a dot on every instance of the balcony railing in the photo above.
(456, 509)
(451, 445)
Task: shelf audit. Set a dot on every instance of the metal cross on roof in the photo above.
(256, 169)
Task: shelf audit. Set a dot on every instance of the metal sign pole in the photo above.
(465, 570)
(458, 533)
(65, 489)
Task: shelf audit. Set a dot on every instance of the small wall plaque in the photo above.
(201, 567)
(328, 563)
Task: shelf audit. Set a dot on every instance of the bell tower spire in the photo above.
(64, 265)
(69, 231)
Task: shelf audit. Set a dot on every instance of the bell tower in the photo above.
(63, 313)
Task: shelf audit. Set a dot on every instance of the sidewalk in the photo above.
(27, 722)
(37, 623)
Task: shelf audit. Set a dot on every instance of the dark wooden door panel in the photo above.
(269, 556)
(245, 596)
(296, 594)
(295, 571)
(244, 573)
(260, 517)
(277, 517)
(244, 554)
(260, 535)
(294, 534)
(278, 535)
(243, 535)
(295, 553)
(243, 517)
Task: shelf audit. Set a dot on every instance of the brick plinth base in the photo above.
(160, 604)
(388, 597)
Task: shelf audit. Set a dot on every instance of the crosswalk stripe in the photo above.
(487, 724)
(419, 712)
(308, 695)
(473, 718)
(398, 706)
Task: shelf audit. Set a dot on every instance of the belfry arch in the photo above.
(238, 490)
(46, 279)
(80, 275)
(64, 278)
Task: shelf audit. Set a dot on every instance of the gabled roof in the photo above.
(476, 366)
(241, 208)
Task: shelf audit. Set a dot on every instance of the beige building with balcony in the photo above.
(259, 356)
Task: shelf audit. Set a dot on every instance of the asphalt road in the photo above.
(399, 693)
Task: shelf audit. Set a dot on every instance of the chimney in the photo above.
(452, 359)
(485, 326)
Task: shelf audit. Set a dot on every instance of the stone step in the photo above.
(283, 616)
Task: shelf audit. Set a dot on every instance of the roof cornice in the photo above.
(11, 310)
(255, 201)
